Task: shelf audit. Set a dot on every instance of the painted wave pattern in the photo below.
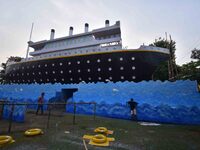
(171, 102)
(145, 112)
(18, 111)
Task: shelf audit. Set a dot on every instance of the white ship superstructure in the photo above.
(103, 39)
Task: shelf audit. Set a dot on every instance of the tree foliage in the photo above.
(161, 73)
(3, 66)
(195, 54)
(2, 73)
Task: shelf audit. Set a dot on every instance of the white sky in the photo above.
(141, 22)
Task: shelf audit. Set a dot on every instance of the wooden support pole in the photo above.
(10, 118)
(49, 114)
(94, 111)
(2, 110)
(74, 116)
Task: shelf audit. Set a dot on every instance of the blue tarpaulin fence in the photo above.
(170, 102)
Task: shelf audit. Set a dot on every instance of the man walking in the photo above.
(40, 103)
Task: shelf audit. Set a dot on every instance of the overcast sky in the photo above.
(141, 22)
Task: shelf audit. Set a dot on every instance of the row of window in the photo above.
(71, 79)
(68, 42)
(72, 52)
(108, 37)
(70, 71)
(69, 63)
(77, 40)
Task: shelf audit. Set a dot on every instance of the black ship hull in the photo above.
(124, 65)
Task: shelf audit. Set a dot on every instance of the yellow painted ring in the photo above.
(32, 132)
(99, 138)
(4, 139)
(101, 130)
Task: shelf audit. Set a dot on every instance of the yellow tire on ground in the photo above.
(99, 138)
(33, 132)
(4, 139)
(101, 130)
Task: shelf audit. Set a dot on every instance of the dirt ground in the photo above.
(62, 134)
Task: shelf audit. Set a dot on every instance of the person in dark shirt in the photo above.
(133, 106)
(40, 103)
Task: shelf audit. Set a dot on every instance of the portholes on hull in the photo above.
(22, 74)
(55, 79)
(39, 73)
(33, 66)
(133, 67)
(27, 67)
(98, 60)
(71, 79)
(46, 72)
(27, 74)
(109, 68)
(61, 72)
(122, 77)
(53, 65)
(47, 80)
(109, 59)
(38, 66)
(99, 69)
(133, 77)
(33, 73)
(41, 80)
(78, 62)
(45, 65)
(99, 78)
(22, 68)
(110, 78)
(89, 78)
(121, 68)
(70, 71)
(63, 79)
(132, 58)
(79, 70)
(61, 64)
(88, 61)
(53, 72)
(80, 78)
(88, 70)
(69, 63)
(121, 59)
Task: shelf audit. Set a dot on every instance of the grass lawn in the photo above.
(129, 135)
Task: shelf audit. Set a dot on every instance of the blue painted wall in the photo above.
(171, 102)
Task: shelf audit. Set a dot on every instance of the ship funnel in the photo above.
(52, 34)
(107, 23)
(86, 27)
(70, 31)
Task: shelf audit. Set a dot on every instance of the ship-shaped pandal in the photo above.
(92, 56)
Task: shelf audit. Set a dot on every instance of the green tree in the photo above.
(190, 70)
(2, 73)
(3, 66)
(162, 72)
(195, 54)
